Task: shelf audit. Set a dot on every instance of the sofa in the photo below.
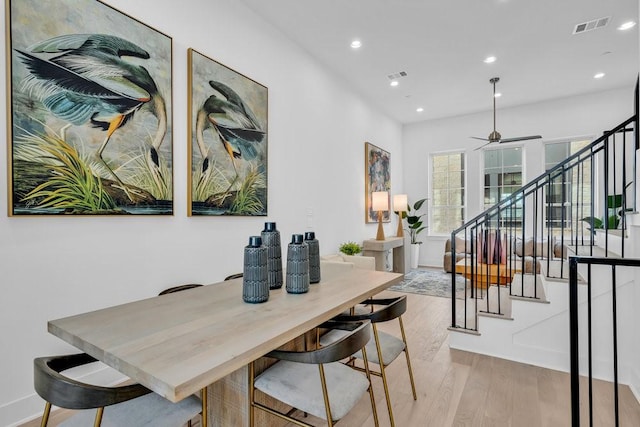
(517, 250)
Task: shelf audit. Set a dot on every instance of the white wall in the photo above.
(586, 115)
(53, 267)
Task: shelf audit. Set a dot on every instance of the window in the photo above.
(503, 176)
(447, 190)
(576, 183)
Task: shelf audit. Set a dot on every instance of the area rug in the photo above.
(428, 281)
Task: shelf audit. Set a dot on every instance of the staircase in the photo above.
(523, 234)
(516, 304)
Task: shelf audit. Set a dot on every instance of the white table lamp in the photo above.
(380, 203)
(400, 202)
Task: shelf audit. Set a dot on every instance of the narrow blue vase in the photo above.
(271, 240)
(297, 281)
(314, 256)
(255, 286)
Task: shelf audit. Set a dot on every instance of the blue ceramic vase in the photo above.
(255, 286)
(271, 241)
(297, 281)
(314, 256)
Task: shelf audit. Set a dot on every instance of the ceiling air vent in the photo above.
(591, 25)
(396, 76)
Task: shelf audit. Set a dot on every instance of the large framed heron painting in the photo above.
(227, 140)
(377, 166)
(90, 113)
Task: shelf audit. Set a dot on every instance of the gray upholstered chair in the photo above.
(383, 348)
(315, 382)
(128, 405)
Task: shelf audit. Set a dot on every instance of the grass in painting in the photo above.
(208, 183)
(247, 200)
(70, 185)
(149, 178)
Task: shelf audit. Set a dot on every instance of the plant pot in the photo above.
(415, 254)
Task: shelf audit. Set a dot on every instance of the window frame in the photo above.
(559, 205)
(464, 207)
(523, 178)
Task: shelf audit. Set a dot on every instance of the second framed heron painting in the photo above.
(91, 119)
(227, 140)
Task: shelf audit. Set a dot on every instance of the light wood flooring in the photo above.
(457, 388)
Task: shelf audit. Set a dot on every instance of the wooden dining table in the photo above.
(180, 343)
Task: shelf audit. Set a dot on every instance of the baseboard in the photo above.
(27, 408)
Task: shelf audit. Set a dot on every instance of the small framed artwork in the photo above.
(377, 166)
(90, 120)
(227, 140)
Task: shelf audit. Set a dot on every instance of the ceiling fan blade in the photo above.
(483, 145)
(481, 139)
(520, 138)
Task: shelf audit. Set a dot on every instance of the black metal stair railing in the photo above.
(536, 228)
(614, 265)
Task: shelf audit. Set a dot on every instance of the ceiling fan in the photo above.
(495, 135)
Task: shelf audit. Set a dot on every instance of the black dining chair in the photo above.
(314, 381)
(383, 348)
(179, 288)
(127, 405)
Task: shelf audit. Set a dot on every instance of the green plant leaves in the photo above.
(350, 248)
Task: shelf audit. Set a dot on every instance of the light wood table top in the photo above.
(179, 343)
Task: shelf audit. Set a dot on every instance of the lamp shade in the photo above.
(380, 201)
(400, 202)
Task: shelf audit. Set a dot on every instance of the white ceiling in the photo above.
(441, 45)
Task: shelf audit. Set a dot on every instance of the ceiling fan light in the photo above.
(394, 83)
(495, 135)
(497, 95)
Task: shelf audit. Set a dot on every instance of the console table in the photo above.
(378, 249)
(179, 343)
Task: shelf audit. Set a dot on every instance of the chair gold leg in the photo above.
(205, 408)
(406, 353)
(325, 395)
(98, 419)
(371, 396)
(45, 415)
(383, 375)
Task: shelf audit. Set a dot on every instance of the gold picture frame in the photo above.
(90, 111)
(227, 140)
(377, 175)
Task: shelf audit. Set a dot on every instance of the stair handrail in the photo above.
(547, 174)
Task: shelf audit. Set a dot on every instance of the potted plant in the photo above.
(350, 248)
(415, 226)
(614, 214)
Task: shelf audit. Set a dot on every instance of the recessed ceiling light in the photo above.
(498, 95)
(490, 59)
(419, 109)
(627, 25)
(598, 76)
(356, 44)
(394, 83)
